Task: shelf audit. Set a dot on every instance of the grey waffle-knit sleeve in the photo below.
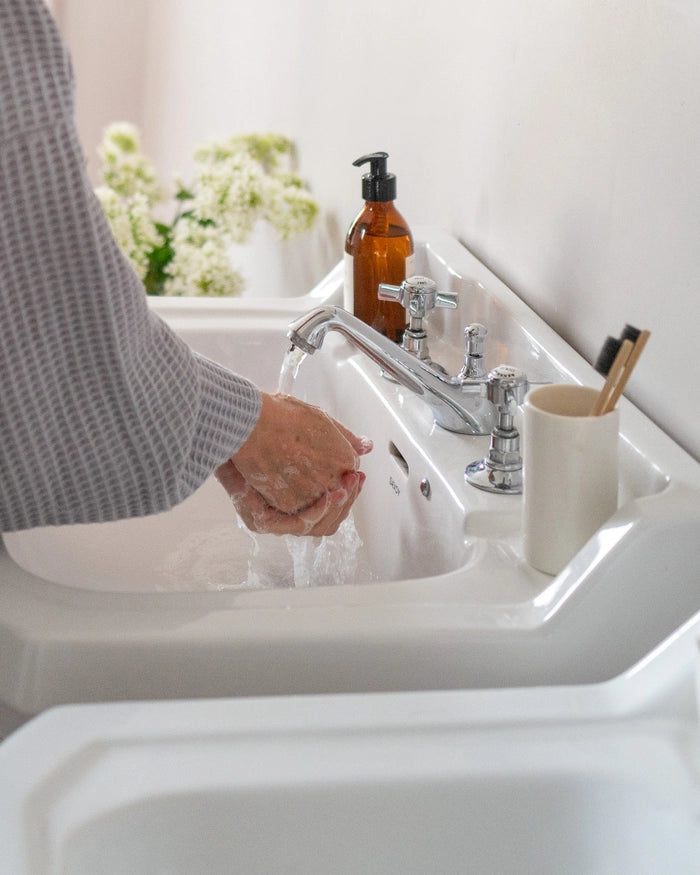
(104, 412)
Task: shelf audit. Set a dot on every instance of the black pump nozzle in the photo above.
(377, 185)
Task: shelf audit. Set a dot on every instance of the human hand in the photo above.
(296, 454)
(321, 518)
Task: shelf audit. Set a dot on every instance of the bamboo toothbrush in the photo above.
(601, 404)
(630, 364)
(629, 349)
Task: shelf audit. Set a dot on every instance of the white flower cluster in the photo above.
(229, 192)
(237, 182)
(288, 207)
(201, 264)
(125, 169)
(132, 225)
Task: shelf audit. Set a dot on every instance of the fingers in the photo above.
(321, 518)
(361, 445)
(338, 506)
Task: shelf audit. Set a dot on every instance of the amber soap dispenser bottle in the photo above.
(378, 249)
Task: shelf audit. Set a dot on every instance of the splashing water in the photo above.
(334, 560)
(329, 561)
(226, 558)
(217, 558)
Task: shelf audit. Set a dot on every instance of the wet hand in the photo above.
(297, 453)
(323, 517)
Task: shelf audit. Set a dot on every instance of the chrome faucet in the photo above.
(458, 404)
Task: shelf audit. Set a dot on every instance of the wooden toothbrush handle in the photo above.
(614, 375)
(632, 360)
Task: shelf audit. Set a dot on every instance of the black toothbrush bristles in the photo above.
(629, 332)
(607, 354)
(611, 347)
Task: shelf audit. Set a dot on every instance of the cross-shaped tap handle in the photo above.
(419, 295)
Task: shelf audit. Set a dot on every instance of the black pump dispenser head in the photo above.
(377, 185)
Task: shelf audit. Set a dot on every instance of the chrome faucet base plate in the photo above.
(491, 479)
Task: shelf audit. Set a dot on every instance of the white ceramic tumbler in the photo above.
(570, 471)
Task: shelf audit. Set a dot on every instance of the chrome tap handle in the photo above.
(402, 294)
(474, 369)
(419, 295)
(505, 388)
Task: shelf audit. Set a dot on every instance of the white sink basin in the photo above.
(199, 546)
(390, 783)
(437, 596)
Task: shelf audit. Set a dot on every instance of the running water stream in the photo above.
(290, 368)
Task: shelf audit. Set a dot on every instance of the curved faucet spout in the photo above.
(456, 406)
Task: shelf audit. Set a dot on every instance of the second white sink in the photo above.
(390, 784)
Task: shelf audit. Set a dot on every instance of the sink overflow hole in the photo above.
(396, 454)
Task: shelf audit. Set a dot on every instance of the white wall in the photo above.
(558, 139)
(108, 41)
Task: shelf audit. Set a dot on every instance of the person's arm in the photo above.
(104, 412)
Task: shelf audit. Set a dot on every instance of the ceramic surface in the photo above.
(599, 778)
